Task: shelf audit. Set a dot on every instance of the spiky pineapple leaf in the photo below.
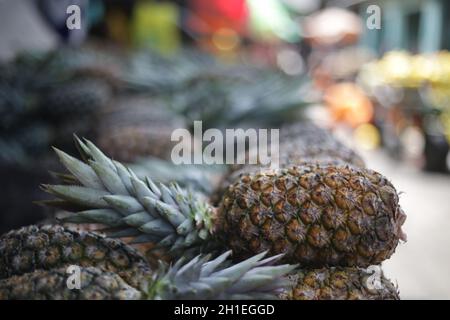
(113, 195)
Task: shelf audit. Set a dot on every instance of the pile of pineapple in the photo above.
(312, 229)
(127, 102)
(323, 218)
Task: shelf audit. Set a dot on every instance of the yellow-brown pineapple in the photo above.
(316, 214)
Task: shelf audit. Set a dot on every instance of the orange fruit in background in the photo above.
(348, 103)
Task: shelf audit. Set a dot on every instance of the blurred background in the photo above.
(137, 70)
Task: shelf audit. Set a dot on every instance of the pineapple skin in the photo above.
(317, 215)
(337, 283)
(48, 247)
(52, 285)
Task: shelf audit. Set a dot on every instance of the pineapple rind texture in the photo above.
(317, 215)
(52, 285)
(48, 247)
(167, 216)
(337, 283)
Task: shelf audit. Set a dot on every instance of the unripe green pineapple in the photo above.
(51, 284)
(48, 247)
(337, 283)
(315, 214)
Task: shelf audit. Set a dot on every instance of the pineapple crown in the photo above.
(202, 278)
(101, 190)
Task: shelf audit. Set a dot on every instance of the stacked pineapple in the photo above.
(316, 213)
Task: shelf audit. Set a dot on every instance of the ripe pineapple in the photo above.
(337, 283)
(48, 247)
(199, 278)
(316, 214)
(52, 285)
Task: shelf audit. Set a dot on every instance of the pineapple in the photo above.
(332, 152)
(138, 110)
(299, 143)
(75, 97)
(52, 285)
(23, 145)
(337, 283)
(128, 144)
(303, 142)
(315, 214)
(48, 247)
(199, 279)
(136, 127)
